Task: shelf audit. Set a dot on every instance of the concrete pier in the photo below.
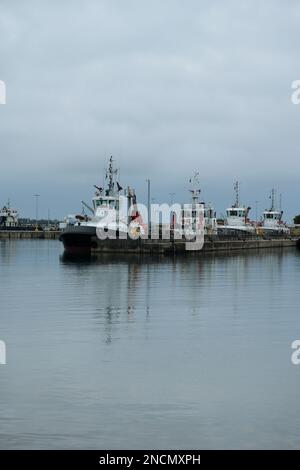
(231, 245)
(158, 247)
(29, 234)
(177, 247)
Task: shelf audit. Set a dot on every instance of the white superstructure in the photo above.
(110, 211)
(9, 216)
(237, 214)
(191, 215)
(272, 218)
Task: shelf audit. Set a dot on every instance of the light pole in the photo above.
(36, 210)
(256, 211)
(149, 205)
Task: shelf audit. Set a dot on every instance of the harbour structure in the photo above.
(111, 227)
(109, 214)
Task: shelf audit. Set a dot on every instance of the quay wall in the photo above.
(162, 247)
(29, 234)
(165, 247)
(230, 245)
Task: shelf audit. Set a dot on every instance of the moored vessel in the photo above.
(113, 214)
(237, 220)
(190, 212)
(8, 217)
(272, 223)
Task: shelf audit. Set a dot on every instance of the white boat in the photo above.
(237, 216)
(70, 219)
(8, 217)
(190, 214)
(272, 218)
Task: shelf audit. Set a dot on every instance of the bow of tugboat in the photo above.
(78, 238)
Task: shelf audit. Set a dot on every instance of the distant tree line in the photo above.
(40, 221)
(297, 220)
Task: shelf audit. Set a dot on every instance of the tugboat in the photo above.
(272, 219)
(114, 214)
(237, 220)
(8, 217)
(188, 215)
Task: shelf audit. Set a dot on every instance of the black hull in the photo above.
(83, 239)
(79, 238)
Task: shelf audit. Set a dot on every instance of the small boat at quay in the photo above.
(190, 215)
(237, 220)
(8, 217)
(272, 223)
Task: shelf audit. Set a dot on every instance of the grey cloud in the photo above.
(166, 87)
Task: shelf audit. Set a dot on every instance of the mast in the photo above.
(273, 200)
(110, 174)
(149, 204)
(195, 198)
(236, 187)
(280, 202)
(195, 190)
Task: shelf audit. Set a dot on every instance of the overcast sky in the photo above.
(165, 86)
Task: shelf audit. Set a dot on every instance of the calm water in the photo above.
(148, 354)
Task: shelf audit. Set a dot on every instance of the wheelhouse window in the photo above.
(101, 202)
(107, 203)
(236, 213)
